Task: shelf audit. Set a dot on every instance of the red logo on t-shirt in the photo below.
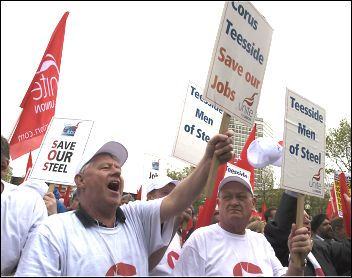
(247, 267)
(121, 269)
(170, 261)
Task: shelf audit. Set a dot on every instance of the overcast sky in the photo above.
(127, 65)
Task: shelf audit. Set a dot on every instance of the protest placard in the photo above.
(61, 150)
(239, 59)
(304, 146)
(199, 122)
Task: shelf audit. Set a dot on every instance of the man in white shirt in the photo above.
(162, 262)
(228, 248)
(102, 238)
(22, 210)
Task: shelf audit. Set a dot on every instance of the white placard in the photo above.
(61, 150)
(199, 122)
(238, 62)
(304, 146)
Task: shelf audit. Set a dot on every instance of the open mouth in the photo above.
(114, 186)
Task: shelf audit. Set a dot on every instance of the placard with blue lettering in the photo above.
(200, 121)
(239, 59)
(303, 164)
(61, 150)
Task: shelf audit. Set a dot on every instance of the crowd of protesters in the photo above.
(103, 231)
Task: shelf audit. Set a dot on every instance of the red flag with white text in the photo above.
(40, 100)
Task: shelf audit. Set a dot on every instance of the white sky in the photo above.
(128, 64)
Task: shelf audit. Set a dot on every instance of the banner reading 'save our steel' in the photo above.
(239, 59)
(62, 150)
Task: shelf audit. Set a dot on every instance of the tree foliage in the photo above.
(8, 175)
(338, 147)
(180, 175)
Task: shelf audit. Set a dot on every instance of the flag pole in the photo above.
(215, 162)
(297, 258)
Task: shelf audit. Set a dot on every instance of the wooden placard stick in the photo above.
(298, 260)
(51, 187)
(215, 162)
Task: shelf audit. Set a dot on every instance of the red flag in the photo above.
(67, 196)
(40, 100)
(331, 209)
(29, 167)
(139, 194)
(205, 215)
(243, 161)
(345, 210)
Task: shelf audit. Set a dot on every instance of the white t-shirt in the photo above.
(212, 251)
(168, 261)
(22, 210)
(62, 246)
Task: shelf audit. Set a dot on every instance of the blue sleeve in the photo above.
(60, 207)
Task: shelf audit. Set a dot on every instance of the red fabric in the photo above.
(205, 215)
(139, 194)
(40, 100)
(67, 196)
(185, 229)
(255, 213)
(243, 161)
(29, 167)
(345, 209)
(331, 209)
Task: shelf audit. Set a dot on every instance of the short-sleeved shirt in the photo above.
(22, 210)
(167, 264)
(212, 251)
(63, 246)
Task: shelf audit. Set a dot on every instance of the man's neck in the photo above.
(238, 229)
(106, 217)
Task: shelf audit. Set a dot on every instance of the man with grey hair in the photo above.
(102, 238)
(228, 249)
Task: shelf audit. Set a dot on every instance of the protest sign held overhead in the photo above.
(304, 146)
(238, 62)
(62, 150)
(199, 122)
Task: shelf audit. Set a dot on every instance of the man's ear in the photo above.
(79, 180)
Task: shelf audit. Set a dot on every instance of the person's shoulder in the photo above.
(60, 221)
(255, 235)
(140, 204)
(205, 231)
(8, 187)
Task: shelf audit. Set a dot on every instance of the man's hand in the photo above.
(299, 241)
(50, 203)
(221, 145)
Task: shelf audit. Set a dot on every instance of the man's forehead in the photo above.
(234, 186)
